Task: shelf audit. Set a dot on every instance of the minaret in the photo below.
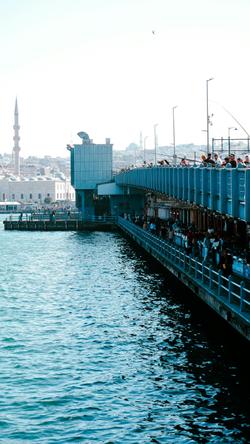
(16, 139)
(141, 141)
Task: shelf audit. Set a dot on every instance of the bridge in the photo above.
(224, 190)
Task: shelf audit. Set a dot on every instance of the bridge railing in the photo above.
(233, 292)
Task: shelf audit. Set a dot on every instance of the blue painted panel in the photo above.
(228, 183)
(235, 193)
(242, 183)
(175, 185)
(197, 185)
(216, 189)
(185, 183)
(190, 185)
(179, 183)
(229, 207)
(242, 210)
(171, 186)
(247, 195)
(204, 186)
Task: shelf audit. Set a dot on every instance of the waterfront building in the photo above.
(39, 189)
(91, 164)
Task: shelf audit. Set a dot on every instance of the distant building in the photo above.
(91, 164)
(36, 190)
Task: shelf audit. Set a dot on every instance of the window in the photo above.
(39, 196)
(13, 196)
(30, 196)
(48, 194)
(4, 197)
(22, 196)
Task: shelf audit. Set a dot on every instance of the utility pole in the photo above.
(208, 117)
(174, 155)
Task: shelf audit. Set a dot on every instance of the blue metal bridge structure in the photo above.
(225, 190)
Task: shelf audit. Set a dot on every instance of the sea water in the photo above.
(99, 345)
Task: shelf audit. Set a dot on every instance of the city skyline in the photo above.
(117, 69)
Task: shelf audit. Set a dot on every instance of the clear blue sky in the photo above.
(96, 66)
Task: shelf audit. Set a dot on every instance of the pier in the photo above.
(59, 225)
(61, 222)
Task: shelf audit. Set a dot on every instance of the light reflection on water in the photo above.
(95, 346)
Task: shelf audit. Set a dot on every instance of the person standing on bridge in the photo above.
(226, 263)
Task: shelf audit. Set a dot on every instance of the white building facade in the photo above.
(36, 190)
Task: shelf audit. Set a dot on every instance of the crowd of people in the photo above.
(216, 249)
(230, 161)
(209, 160)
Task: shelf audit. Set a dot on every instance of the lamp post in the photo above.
(174, 155)
(229, 129)
(208, 118)
(155, 139)
(144, 148)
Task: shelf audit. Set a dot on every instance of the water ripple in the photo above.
(95, 346)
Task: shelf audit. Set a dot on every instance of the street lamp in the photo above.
(208, 118)
(174, 156)
(155, 138)
(144, 148)
(229, 129)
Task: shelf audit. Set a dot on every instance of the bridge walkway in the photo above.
(227, 296)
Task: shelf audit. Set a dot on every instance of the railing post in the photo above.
(242, 287)
(219, 282)
(229, 289)
(195, 269)
(173, 254)
(202, 269)
(178, 256)
(210, 276)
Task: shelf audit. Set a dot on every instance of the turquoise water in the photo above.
(96, 347)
